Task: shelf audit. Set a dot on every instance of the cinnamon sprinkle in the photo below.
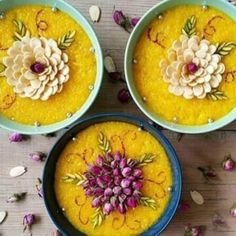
(8, 101)
(159, 40)
(209, 30)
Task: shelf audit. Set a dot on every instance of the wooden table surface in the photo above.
(193, 151)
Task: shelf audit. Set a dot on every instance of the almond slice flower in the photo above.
(36, 68)
(192, 68)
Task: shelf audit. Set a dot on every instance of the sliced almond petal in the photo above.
(201, 53)
(3, 215)
(212, 49)
(109, 64)
(188, 55)
(17, 171)
(172, 56)
(197, 197)
(207, 87)
(210, 69)
(216, 58)
(163, 64)
(198, 90)
(214, 82)
(177, 45)
(95, 13)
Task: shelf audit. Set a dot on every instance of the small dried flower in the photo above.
(122, 20)
(228, 163)
(184, 206)
(124, 96)
(16, 197)
(37, 156)
(218, 220)
(192, 230)
(15, 138)
(107, 209)
(134, 21)
(115, 76)
(28, 221)
(208, 172)
(233, 211)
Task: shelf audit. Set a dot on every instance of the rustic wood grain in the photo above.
(194, 151)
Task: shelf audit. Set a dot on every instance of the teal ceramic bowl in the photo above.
(65, 7)
(222, 5)
(50, 201)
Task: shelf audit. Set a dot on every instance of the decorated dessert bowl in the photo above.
(51, 65)
(112, 172)
(179, 64)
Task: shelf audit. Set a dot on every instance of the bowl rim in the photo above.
(67, 8)
(221, 5)
(172, 207)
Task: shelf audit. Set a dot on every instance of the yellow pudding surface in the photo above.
(82, 64)
(147, 74)
(85, 150)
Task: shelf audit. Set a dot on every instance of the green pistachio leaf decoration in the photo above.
(76, 179)
(224, 49)
(148, 202)
(189, 28)
(104, 143)
(145, 159)
(97, 218)
(216, 95)
(66, 40)
(21, 30)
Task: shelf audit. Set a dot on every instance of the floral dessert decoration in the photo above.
(36, 67)
(114, 182)
(194, 67)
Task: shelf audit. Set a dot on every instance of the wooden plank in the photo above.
(194, 151)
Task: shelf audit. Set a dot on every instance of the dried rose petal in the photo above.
(15, 137)
(124, 96)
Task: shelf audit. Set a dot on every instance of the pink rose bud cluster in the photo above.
(114, 182)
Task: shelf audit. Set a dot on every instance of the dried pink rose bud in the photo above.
(121, 208)
(137, 173)
(28, 221)
(134, 21)
(127, 191)
(107, 209)
(15, 138)
(228, 164)
(96, 202)
(184, 206)
(124, 95)
(94, 169)
(116, 172)
(125, 183)
(137, 185)
(108, 192)
(126, 171)
(37, 68)
(192, 68)
(208, 172)
(117, 190)
(37, 156)
(100, 161)
(192, 231)
(233, 211)
(119, 17)
(131, 202)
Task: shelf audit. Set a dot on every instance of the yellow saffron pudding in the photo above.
(42, 21)
(130, 142)
(212, 26)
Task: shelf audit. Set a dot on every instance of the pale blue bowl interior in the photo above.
(222, 5)
(48, 176)
(65, 7)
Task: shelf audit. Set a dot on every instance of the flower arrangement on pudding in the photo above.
(194, 67)
(36, 67)
(114, 182)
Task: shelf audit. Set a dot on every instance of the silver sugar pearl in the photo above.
(169, 189)
(37, 124)
(74, 139)
(150, 122)
(175, 119)
(54, 9)
(144, 99)
(160, 16)
(69, 114)
(204, 7)
(12, 118)
(63, 209)
(210, 120)
(135, 61)
(91, 87)
(92, 50)
(140, 129)
(2, 15)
